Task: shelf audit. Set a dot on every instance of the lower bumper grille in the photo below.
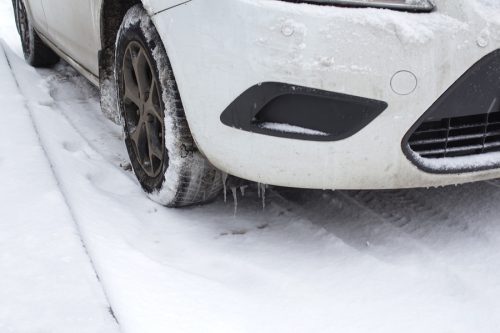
(464, 122)
(459, 136)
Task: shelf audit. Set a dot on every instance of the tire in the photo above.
(14, 7)
(171, 170)
(36, 53)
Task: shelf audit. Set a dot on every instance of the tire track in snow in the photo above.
(355, 222)
(12, 61)
(404, 209)
(494, 183)
(423, 211)
(114, 150)
(371, 233)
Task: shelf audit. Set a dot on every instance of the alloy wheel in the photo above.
(143, 113)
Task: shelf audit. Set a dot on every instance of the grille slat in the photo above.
(459, 127)
(458, 136)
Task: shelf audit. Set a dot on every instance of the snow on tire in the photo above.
(149, 102)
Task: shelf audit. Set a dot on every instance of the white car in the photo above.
(327, 94)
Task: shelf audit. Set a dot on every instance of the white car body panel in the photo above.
(219, 49)
(37, 13)
(72, 26)
(352, 51)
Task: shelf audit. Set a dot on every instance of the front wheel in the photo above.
(162, 151)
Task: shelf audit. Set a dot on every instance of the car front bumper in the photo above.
(219, 49)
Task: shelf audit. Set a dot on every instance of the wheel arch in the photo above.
(110, 18)
(111, 14)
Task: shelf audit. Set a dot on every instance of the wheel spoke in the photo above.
(132, 94)
(156, 152)
(154, 106)
(141, 68)
(155, 146)
(150, 144)
(135, 67)
(136, 133)
(154, 142)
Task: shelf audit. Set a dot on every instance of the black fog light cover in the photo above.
(296, 112)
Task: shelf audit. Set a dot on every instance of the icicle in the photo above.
(263, 190)
(242, 190)
(224, 180)
(261, 193)
(235, 199)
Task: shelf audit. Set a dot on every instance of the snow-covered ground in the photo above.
(83, 250)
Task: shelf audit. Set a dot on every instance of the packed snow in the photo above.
(287, 128)
(82, 249)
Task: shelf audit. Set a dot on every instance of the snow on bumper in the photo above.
(220, 49)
